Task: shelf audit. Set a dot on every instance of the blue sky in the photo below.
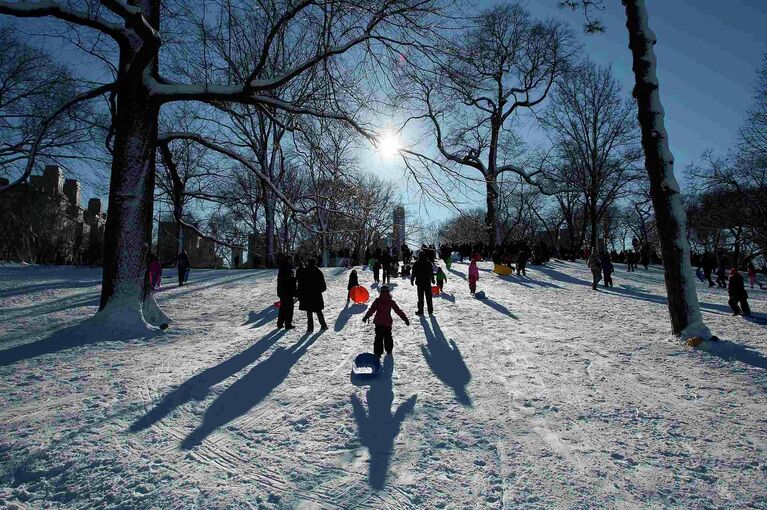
(708, 52)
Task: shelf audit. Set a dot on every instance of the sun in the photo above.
(388, 144)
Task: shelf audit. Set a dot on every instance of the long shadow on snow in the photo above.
(730, 351)
(447, 297)
(445, 360)
(458, 273)
(346, 314)
(26, 289)
(379, 426)
(495, 305)
(262, 318)
(193, 285)
(248, 391)
(198, 387)
(57, 305)
(631, 292)
(84, 333)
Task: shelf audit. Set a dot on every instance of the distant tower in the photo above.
(398, 233)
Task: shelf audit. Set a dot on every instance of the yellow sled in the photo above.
(503, 269)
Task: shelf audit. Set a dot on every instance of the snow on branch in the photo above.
(43, 8)
(45, 124)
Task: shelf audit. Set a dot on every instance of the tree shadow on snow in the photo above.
(731, 351)
(379, 426)
(197, 282)
(562, 277)
(249, 390)
(27, 289)
(346, 314)
(495, 305)
(262, 318)
(198, 387)
(445, 360)
(85, 333)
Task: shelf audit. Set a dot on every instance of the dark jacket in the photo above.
(286, 282)
(353, 280)
(312, 286)
(735, 288)
(422, 273)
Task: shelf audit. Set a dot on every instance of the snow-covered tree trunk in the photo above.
(670, 216)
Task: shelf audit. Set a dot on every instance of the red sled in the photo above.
(434, 290)
(277, 304)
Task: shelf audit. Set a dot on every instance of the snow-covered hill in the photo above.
(546, 395)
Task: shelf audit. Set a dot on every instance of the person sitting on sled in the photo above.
(382, 307)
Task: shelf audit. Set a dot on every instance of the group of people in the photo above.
(306, 285)
(154, 269)
(601, 265)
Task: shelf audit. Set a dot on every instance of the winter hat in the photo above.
(734, 271)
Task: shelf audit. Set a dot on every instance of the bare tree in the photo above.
(684, 309)
(594, 131)
(504, 63)
(142, 86)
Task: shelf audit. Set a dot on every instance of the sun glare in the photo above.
(388, 144)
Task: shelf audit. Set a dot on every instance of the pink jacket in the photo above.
(382, 307)
(473, 273)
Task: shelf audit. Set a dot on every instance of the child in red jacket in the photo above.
(382, 307)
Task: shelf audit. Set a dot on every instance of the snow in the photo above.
(547, 394)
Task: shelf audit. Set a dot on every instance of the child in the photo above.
(155, 272)
(353, 282)
(751, 274)
(473, 276)
(721, 276)
(405, 271)
(441, 278)
(738, 294)
(382, 307)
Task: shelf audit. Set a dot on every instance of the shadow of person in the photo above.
(495, 305)
(262, 318)
(346, 314)
(94, 330)
(248, 391)
(448, 297)
(198, 387)
(458, 273)
(379, 427)
(445, 361)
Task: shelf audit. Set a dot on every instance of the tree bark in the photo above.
(491, 217)
(683, 304)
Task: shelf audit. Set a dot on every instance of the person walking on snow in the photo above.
(721, 275)
(286, 291)
(353, 282)
(423, 276)
(382, 308)
(522, 258)
(738, 294)
(473, 277)
(312, 286)
(182, 263)
(595, 264)
(441, 278)
(607, 269)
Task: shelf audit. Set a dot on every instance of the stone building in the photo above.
(398, 231)
(202, 252)
(41, 221)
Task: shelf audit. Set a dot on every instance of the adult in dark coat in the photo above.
(312, 286)
(423, 276)
(738, 295)
(286, 291)
(183, 264)
(708, 262)
(386, 262)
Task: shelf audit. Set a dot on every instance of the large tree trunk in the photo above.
(670, 217)
(269, 214)
(491, 217)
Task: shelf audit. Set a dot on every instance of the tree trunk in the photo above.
(670, 217)
(269, 214)
(491, 217)
(128, 231)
